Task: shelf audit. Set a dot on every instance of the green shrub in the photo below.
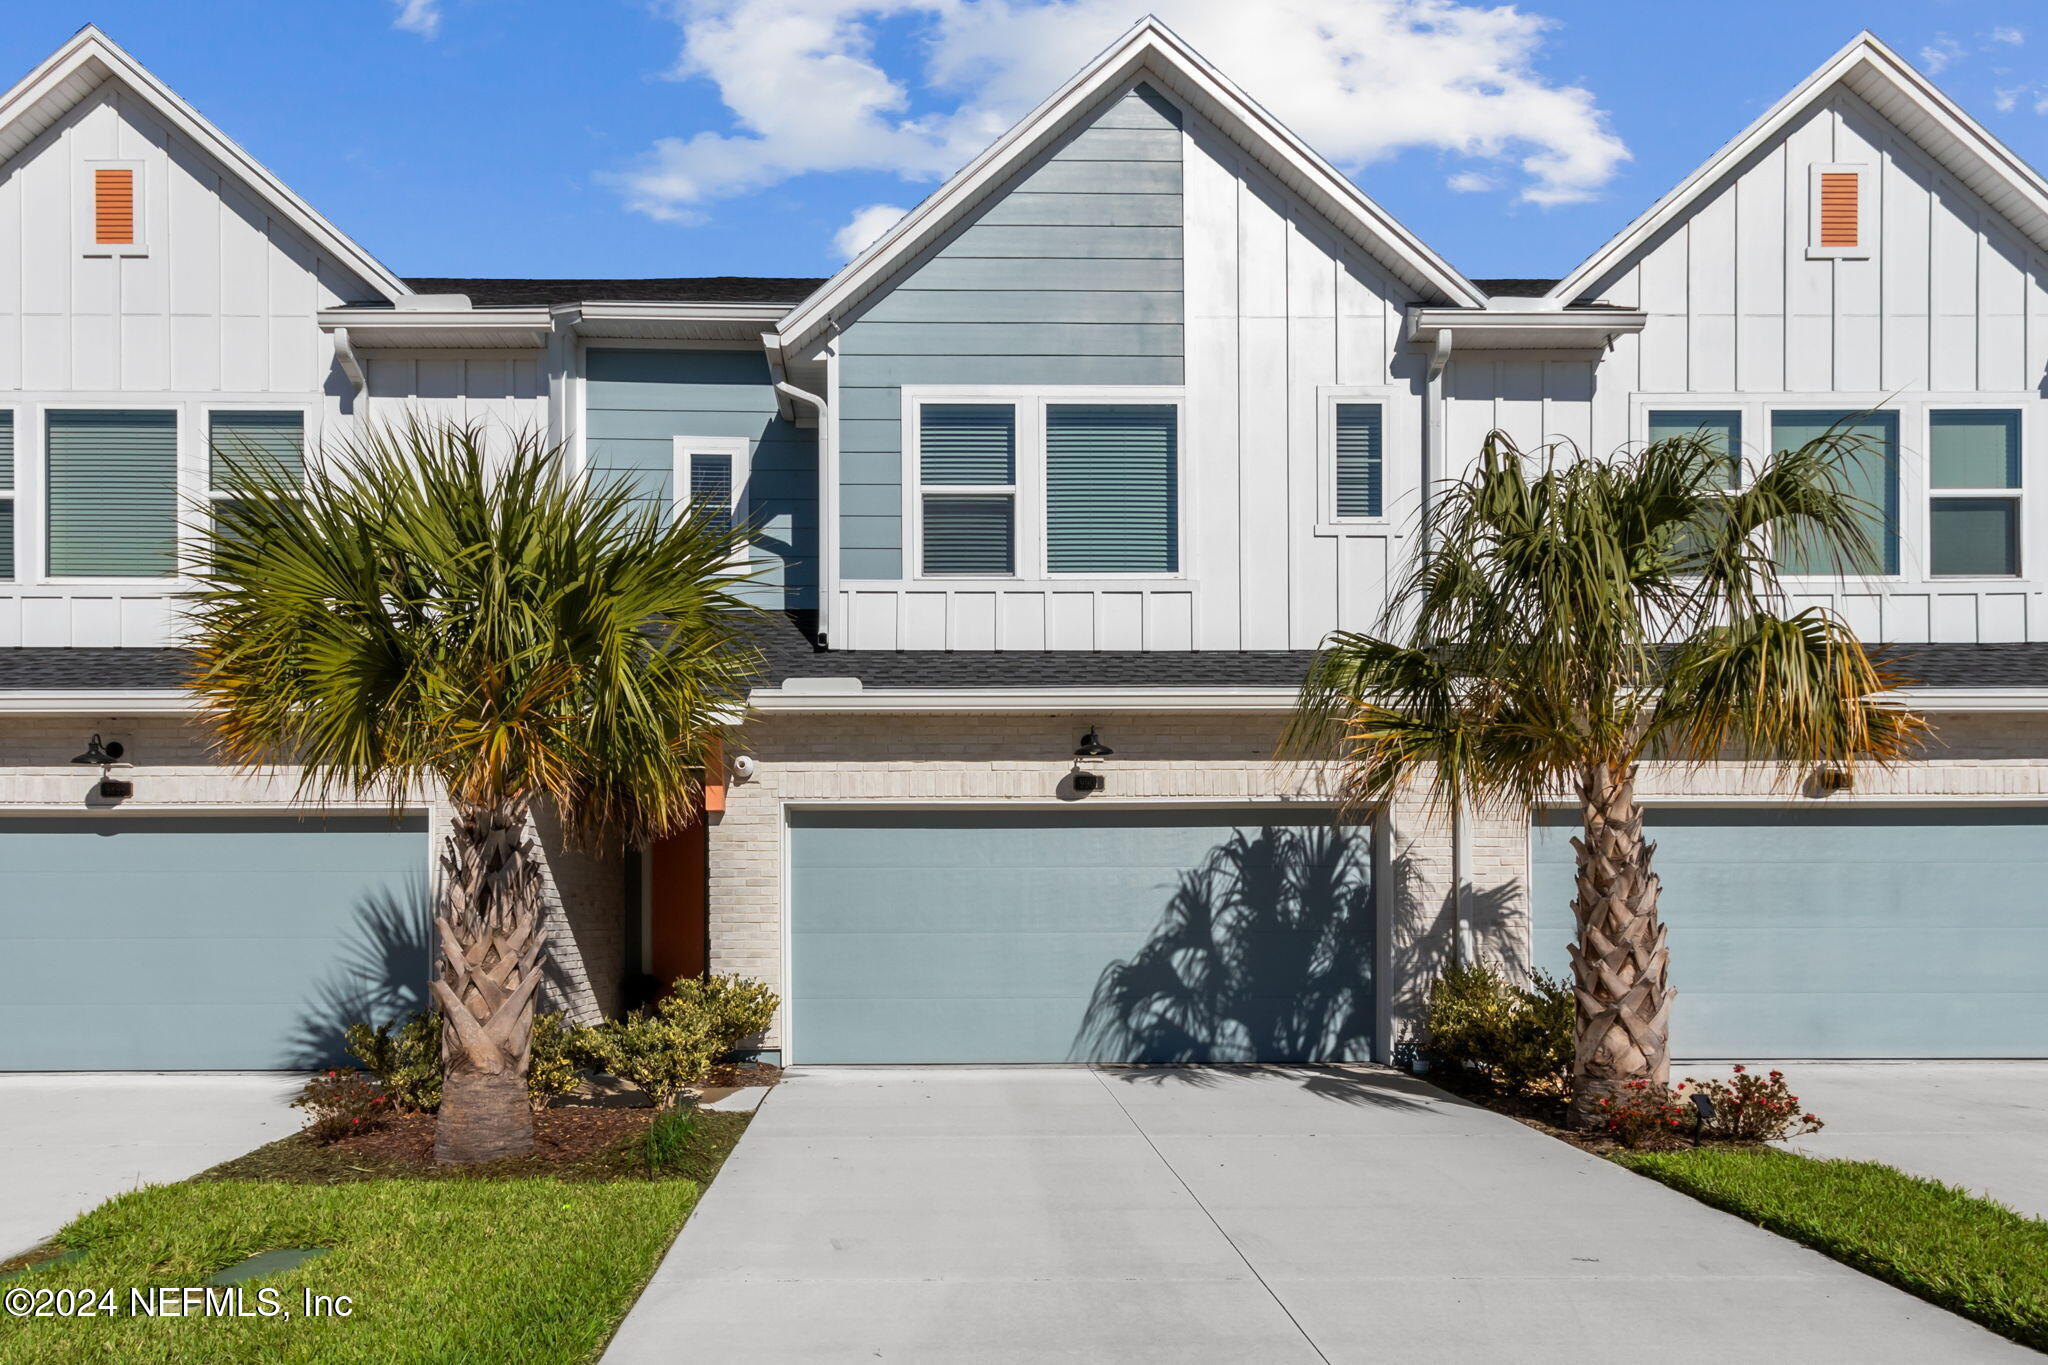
(660, 1052)
(1753, 1108)
(340, 1103)
(552, 1068)
(674, 1046)
(405, 1057)
(736, 1007)
(1516, 1039)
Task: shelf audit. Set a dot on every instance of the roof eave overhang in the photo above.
(997, 699)
(1154, 51)
(1524, 329)
(441, 329)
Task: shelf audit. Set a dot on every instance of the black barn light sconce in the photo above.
(104, 757)
(1085, 782)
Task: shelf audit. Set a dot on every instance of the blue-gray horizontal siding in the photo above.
(1164, 935)
(1072, 274)
(1898, 932)
(165, 942)
(637, 401)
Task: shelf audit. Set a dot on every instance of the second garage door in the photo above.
(1090, 934)
(1839, 932)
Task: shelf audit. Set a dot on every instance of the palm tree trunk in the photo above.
(491, 948)
(1619, 963)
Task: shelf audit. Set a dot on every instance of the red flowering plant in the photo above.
(1648, 1115)
(341, 1103)
(1752, 1108)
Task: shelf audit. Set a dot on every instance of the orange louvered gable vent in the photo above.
(1838, 209)
(113, 207)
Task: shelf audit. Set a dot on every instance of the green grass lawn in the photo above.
(1967, 1254)
(472, 1268)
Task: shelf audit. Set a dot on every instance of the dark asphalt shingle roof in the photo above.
(1516, 289)
(495, 293)
(786, 645)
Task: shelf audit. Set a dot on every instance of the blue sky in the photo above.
(765, 137)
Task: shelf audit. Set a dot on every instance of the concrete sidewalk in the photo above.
(69, 1141)
(1979, 1125)
(1268, 1214)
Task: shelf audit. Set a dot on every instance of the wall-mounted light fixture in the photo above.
(104, 757)
(1829, 778)
(1085, 782)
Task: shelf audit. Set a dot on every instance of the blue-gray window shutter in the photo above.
(711, 486)
(113, 494)
(969, 533)
(1112, 484)
(272, 443)
(1358, 459)
(7, 484)
(967, 443)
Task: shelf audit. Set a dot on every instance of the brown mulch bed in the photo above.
(731, 1076)
(1544, 1113)
(563, 1135)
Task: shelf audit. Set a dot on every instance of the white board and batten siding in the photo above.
(1278, 319)
(216, 308)
(1950, 307)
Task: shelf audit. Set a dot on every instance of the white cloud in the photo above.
(2008, 100)
(418, 16)
(1472, 182)
(1361, 81)
(861, 230)
(2007, 34)
(1937, 55)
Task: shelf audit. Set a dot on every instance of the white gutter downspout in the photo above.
(1436, 465)
(828, 502)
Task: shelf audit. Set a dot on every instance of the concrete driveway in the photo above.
(1270, 1214)
(70, 1141)
(1980, 1125)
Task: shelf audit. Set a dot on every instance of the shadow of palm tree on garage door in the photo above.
(1264, 954)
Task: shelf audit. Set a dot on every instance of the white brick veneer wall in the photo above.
(174, 769)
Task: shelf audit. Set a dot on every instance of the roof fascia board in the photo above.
(882, 699)
(89, 45)
(1151, 48)
(1864, 49)
(1561, 327)
(136, 701)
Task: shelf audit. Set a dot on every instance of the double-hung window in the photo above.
(111, 493)
(1047, 486)
(1973, 514)
(1867, 468)
(967, 478)
(252, 449)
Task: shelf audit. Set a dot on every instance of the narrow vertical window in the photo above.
(265, 446)
(967, 478)
(1112, 488)
(1720, 430)
(6, 494)
(111, 480)
(1358, 460)
(113, 206)
(711, 488)
(1973, 519)
(1867, 461)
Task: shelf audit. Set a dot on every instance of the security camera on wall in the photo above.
(744, 767)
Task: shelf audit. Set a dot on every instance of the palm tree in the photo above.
(421, 613)
(1571, 618)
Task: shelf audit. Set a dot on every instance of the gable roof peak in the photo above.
(1873, 71)
(89, 58)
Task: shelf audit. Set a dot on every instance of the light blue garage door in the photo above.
(1839, 932)
(131, 942)
(1090, 934)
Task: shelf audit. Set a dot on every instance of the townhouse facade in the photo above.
(1058, 486)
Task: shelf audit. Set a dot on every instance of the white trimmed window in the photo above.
(1973, 512)
(8, 568)
(1719, 428)
(110, 492)
(1358, 460)
(1069, 485)
(261, 443)
(711, 472)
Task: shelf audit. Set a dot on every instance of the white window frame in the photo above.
(88, 207)
(1913, 408)
(190, 481)
(2016, 495)
(1866, 211)
(192, 547)
(1395, 487)
(733, 448)
(1029, 552)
